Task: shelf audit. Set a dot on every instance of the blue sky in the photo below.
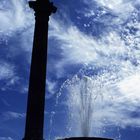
(93, 53)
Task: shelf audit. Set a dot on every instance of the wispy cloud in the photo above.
(118, 7)
(51, 88)
(7, 71)
(79, 48)
(16, 17)
(9, 115)
(13, 16)
(6, 138)
(8, 76)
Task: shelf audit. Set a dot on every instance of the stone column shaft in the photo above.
(37, 82)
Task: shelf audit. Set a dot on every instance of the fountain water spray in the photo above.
(85, 107)
(90, 102)
(83, 96)
(88, 96)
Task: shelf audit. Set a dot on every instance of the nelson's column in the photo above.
(36, 93)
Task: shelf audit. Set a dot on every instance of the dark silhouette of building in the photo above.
(36, 93)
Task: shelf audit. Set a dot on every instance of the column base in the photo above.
(32, 139)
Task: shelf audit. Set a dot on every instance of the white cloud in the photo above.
(119, 6)
(130, 87)
(79, 48)
(121, 10)
(14, 16)
(8, 75)
(6, 71)
(51, 87)
(9, 115)
(6, 138)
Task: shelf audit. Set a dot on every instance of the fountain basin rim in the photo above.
(85, 138)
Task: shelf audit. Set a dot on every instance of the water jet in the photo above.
(84, 102)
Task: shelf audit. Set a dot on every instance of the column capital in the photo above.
(42, 8)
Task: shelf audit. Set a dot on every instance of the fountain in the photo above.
(84, 93)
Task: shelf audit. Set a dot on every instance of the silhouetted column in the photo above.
(36, 93)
